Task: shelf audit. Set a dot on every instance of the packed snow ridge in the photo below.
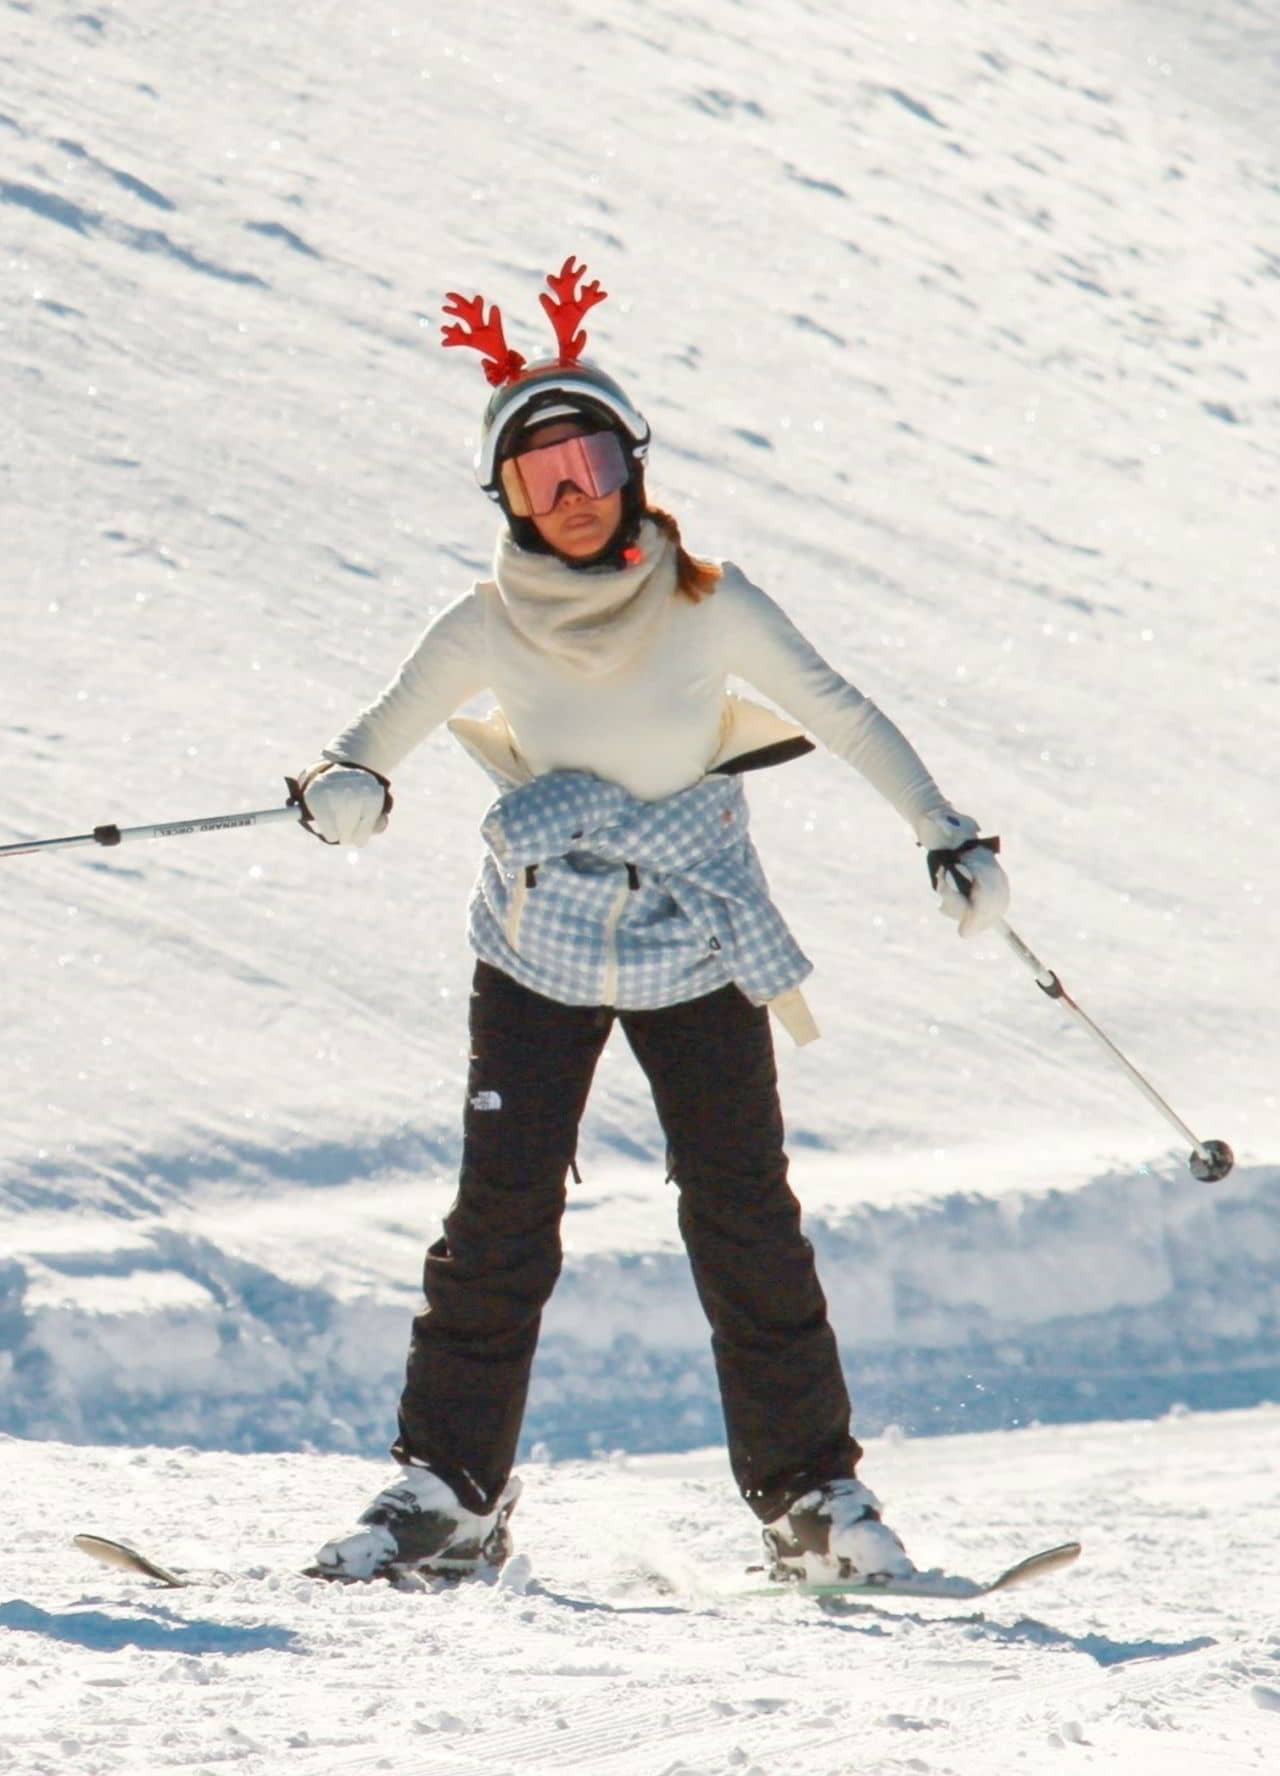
(957, 1310)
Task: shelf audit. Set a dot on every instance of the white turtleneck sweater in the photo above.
(619, 675)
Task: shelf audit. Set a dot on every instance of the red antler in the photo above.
(501, 363)
(568, 307)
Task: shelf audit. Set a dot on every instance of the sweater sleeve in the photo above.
(449, 664)
(765, 648)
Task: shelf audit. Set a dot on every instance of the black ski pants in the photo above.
(710, 1066)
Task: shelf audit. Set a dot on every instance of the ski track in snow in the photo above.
(610, 1645)
(956, 329)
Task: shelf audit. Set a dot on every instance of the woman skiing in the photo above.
(619, 885)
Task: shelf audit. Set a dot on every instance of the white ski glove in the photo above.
(972, 888)
(342, 804)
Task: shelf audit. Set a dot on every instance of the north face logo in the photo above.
(487, 1100)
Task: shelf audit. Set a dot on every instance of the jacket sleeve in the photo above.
(764, 647)
(449, 664)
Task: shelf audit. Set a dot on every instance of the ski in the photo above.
(940, 1584)
(951, 1587)
(127, 1559)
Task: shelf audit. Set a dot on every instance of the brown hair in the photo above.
(694, 578)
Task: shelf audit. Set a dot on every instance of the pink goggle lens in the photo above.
(596, 465)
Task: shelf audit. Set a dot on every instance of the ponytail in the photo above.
(694, 578)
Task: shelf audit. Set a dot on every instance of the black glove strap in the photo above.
(940, 860)
(298, 799)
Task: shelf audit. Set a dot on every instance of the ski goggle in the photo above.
(596, 465)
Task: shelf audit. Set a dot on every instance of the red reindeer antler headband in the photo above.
(565, 308)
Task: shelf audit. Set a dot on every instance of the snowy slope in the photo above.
(613, 1645)
(1016, 477)
(959, 334)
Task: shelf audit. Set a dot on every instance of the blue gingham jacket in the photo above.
(590, 896)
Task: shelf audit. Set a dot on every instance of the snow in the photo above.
(618, 1640)
(957, 331)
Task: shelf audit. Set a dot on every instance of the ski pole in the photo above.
(1210, 1160)
(166, 829)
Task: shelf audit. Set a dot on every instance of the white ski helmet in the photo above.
(554, 390)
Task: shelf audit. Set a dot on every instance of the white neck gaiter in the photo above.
(596, 619)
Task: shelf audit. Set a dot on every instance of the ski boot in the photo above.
(418, 1526)
(834, 1533)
